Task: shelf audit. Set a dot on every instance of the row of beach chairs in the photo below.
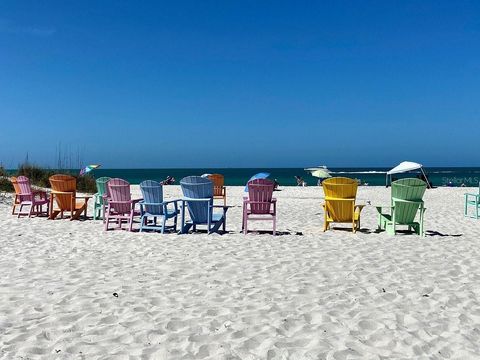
(113, 203)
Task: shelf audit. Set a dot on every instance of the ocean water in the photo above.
(453, 176)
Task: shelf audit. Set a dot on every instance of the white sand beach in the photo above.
(303, 294)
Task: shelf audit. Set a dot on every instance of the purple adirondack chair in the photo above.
(120, 205)
(260, 204)
(34, 199)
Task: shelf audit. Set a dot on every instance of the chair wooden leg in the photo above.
(130, 227)
(164, 223)
(325, 221)
(20, 211)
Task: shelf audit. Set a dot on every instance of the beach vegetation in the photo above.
(39, 177)
(5, 183)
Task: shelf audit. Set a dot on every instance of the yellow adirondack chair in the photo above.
(64, 191)
(16, 199)
(340, 207)
(219, 190)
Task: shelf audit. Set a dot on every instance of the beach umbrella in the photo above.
(88, 168)
(261, 175)
(321, 173)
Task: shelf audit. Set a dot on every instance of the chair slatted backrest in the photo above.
(152, 192)
(197, 187)
(411, 190)
(336, 190)
(260, 193)
(218, 182)
(65, 183)
(24, 186)
(119, 191)
(102, 187)
(14, 182)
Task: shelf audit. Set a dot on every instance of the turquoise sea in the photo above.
(453, 176)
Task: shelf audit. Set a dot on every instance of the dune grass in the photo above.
(5, 184)
(39, 176)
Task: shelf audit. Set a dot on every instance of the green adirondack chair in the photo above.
(99, 200)
(473, 200)
(406, 202)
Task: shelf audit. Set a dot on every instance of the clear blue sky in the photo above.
(240, 83)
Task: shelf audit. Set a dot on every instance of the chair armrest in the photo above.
(407, 201)
(56, 192)
(121, 202)
(359, 208)
(171, 201)
(222, 206)
(196, 200)
(339, 199)
(467, 195)
(379, 208)
(246, 201)
(83, 196)
(142, 202)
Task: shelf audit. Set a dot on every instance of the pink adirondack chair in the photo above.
(34, 199)
(260, 204)
(120, 205)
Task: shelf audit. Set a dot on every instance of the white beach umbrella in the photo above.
(321, 174)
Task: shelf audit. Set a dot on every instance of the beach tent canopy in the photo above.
(403, 167)
(321, 167)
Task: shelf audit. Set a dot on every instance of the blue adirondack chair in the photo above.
(473, 200)
(198, 197)
(154, 207)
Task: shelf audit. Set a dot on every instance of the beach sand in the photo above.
(69, 290)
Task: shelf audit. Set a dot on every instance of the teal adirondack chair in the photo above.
(99, 199)
(407, 201)
(473, 200)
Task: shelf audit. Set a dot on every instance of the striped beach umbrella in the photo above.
(88, 168)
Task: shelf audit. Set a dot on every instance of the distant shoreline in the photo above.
(439, 176)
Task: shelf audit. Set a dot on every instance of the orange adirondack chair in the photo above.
(340, 207)
(16, 199)
(219, 190)
(64, 191)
